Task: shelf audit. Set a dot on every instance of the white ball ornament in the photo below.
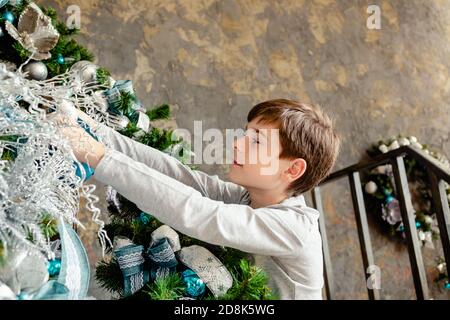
(371, 187)
(428, 220)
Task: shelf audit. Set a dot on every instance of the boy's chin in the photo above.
(233, 177)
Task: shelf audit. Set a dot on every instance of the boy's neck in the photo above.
(264, 198)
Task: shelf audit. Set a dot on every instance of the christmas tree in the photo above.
(40, 53)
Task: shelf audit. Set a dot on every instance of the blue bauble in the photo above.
(418, 224)
(61, 59)
(8, 15)
(54, 267)
(23, 296)
(195, 286)
(145, 218)
(389, 198)
(447, 285)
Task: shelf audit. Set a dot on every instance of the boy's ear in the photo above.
(296, 169)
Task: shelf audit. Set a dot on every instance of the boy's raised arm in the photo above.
(265, 231)
(209, 186)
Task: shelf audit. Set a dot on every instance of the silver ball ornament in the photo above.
(36, 70)
(87, 71)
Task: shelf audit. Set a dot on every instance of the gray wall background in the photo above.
(213, 60)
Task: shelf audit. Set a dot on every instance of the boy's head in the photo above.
(288, 146)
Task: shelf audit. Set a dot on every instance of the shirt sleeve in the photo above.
(210, 186)
(264, 231)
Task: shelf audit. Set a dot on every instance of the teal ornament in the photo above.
(447, 286)
(54, 267)
(401, 228)
(389, 198)
(8, 16)
(60, 59)
(24, 296)
(145, 218)
(418, 224)
(195, 286)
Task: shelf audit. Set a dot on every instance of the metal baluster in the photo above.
(363, 231)
(442, 214)
(407, 211)
(328, 270)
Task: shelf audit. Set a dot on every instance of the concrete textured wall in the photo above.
(212, 60)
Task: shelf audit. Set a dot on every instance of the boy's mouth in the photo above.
(235, 163)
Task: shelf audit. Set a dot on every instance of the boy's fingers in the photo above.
(60, 119)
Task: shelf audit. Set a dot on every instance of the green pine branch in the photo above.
(130, 130)
(109, 276)
(102, 76)
(158, 139)
(48, 225)
(170, 287)
(19, 7)
(249, 283)
(125, 104)
(161, 112)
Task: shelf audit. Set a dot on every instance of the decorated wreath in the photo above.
(379, 186)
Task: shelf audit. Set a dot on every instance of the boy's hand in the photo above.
(86, 149)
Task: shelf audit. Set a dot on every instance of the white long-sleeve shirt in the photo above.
(284, 238)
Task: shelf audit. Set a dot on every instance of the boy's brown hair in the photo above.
(305, 132)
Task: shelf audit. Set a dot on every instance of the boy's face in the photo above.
(256, 159)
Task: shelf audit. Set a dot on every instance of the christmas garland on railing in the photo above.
(379, 186)
(60, 75)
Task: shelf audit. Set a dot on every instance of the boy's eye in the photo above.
(255, 140)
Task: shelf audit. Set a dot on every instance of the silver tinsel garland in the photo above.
(42, 178)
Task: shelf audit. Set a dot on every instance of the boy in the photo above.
(263, 214)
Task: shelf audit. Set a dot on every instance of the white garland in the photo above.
(42, 178)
